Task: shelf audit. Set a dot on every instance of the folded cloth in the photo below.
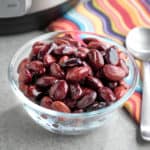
(113, 19)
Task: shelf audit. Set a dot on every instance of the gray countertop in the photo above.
(19, 132)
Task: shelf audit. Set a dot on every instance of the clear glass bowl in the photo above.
(67, 123)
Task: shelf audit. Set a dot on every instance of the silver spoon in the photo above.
(138, 43)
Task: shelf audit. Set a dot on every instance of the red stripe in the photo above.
(68, 22)
(133, 103)
(60, 24)
(138, 95)
(126, 17)
(135, 106)
(74, 26)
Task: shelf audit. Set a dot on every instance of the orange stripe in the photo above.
(133, 105)
(102, 6)
(134, 16)
(142, 12)
(113, 15)
(138, 105)
(64, 22)
(126, 17)
(97, 6)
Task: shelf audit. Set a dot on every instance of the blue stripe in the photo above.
(81, 21)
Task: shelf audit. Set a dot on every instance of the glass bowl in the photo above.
(68, 123)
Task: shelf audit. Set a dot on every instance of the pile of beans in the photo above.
(69, 74)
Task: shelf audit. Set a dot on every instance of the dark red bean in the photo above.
(76, 42)
(103, 53)
(114, 73)
(88, 66)
(99, 74)
(86, 90)
(64, 50)
(46, 102)
(102, 105)
(97, 45)
(94, 82)
(59, 90)
(124, 66)
(53, 46)
(48, 60)
(60, 106)
(45, 82)
(75, 91)
(38, 43)
(111, 56)
(112, 85)
(92, 85)
(25, 76)
(84, 49)
(107, 94)
(56, 71)
(43, 51)
(87, 99)
(24, 88)
(32, 92)
(60, 41)
(63, 59)
(77, 74)
(119, 91)
(96, 59)
(68, 35)
(36, 67)
(69, 50)
(23, 65)
(72, 62)
(70, 103)
(36, 49)
(88, 40)
(82, 52)
(93, 107)
(59, 50)
(96, 106)
(123, 83)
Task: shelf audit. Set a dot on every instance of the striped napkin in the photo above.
(113, 19)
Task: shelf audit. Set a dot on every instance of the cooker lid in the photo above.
(35, 19)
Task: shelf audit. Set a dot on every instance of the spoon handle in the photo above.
(145, 112)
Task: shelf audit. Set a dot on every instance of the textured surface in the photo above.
(19, 132)
(113, 19)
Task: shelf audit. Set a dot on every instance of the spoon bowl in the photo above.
(138, 43)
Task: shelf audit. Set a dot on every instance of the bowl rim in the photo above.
(37, 107)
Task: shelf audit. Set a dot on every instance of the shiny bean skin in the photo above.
(77, 74)
(72, 74)
(56, 71)
(87, 99)
(96, 59)
(60, 106)
(59, 90)
(75, 91)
